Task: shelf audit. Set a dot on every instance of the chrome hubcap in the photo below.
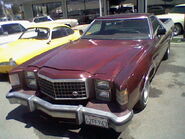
(176, 30)
(146, 92)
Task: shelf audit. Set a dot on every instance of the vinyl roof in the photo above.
(129, 15)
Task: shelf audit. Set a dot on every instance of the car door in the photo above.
(160, 41)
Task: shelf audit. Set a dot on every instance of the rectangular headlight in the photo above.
(31, 80)
(104, 95)
(14, 79)
(103, 90)
(103, 85)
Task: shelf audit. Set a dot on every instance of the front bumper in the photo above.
(69, 111)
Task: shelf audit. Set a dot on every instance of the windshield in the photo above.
(130, 29)
(178, 9)
(36, 33)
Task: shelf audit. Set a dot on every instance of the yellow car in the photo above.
(37, 39)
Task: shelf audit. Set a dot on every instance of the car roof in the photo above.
(47, 24)
(180, 5)
(129, 15)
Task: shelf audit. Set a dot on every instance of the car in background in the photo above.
(37, 39)
(11, 30)
(155, 9)
(177, 15)
(122, 8)
(3, 19)
(69, 22)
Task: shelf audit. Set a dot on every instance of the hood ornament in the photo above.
(75, 93)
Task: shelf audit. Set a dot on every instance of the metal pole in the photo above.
(100, 4)
(146, 6)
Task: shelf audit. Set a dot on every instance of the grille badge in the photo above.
(75, 93)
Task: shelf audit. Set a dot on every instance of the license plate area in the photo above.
(96, 121)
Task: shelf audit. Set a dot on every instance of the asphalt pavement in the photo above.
(163, 118)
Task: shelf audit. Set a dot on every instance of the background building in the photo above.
(86, 10)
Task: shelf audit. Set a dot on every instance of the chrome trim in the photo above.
(150, 28)
(68, 111)
(61, 80)
(67, 80)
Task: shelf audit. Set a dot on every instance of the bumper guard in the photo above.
(68, 111)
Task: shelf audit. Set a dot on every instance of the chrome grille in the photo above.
(61, 89)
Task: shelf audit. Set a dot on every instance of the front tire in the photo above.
(167, 53)
(177, 29)
(141, 104)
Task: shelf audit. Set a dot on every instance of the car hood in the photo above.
(4, 39)
(20, 49)
(92, 56)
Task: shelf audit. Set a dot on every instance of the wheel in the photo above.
(167, 53)
(177, 29)
(141, 104)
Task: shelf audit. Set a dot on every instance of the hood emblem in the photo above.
(75, 93)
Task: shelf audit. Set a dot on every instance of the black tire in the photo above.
(141, 104)
(167, 53)
(177, 29)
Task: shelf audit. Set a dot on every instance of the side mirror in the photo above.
(81, 32)
(161, 31)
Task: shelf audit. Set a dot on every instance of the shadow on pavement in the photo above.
(4, 77)
(53, 127)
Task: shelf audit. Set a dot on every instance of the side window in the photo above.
(69, 31)
(59, 32)
(155, 23)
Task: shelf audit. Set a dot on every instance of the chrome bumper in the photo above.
(68, 111)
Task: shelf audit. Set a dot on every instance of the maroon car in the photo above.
(100, 79)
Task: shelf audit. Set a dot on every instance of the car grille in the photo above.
(63, 89)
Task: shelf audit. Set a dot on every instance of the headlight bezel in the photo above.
(31, 79)
(103, 90)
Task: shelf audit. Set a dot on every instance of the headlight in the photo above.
(31, 79)
(122, 97)
(14, 79)
(103, 90)
(10, 63)
(103, 85)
